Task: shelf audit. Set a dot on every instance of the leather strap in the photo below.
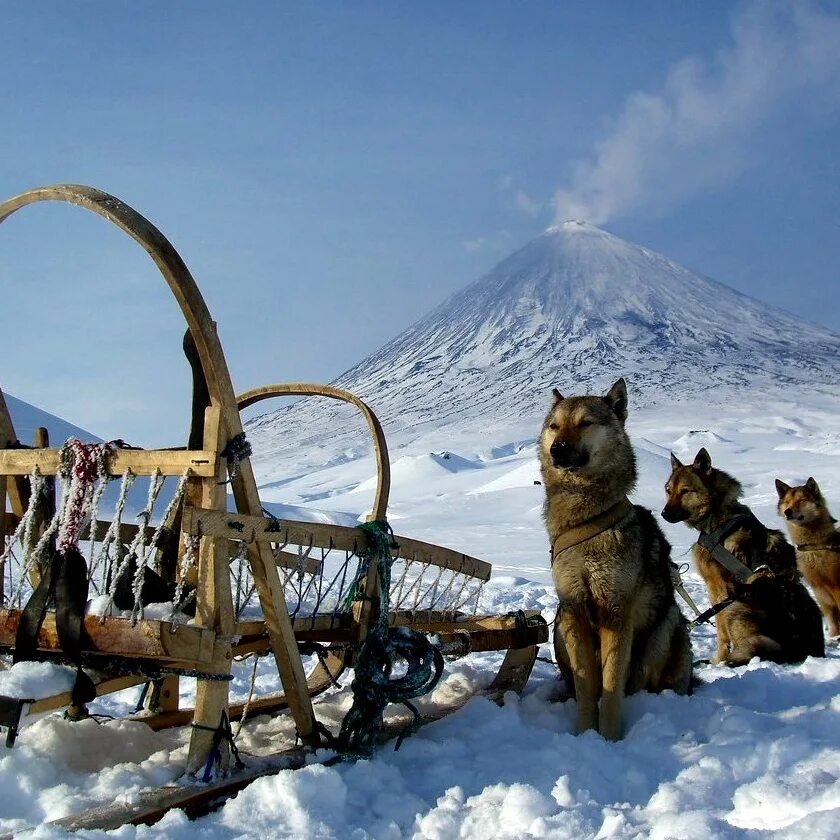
(591, 527)
(65, 580)
(714, 544)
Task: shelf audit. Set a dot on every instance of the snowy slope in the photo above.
(26, 418)
(575, 308)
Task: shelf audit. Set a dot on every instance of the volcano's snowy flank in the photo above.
(574, 308)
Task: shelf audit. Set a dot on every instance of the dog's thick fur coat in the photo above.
(772, 617)
(619, 629)
(813, 531)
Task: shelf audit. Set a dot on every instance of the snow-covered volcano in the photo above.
(576, 308)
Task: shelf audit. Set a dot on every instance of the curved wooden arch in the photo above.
(306, 389)
(167, 259)
(217, 375)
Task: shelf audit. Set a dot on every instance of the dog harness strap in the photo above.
(710, 613)
(714, 544)
(592, 527)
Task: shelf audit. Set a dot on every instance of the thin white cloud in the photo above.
(472, 245)
(703, 126)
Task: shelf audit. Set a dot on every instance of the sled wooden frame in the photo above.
(215, 637)
(205, 488)
(517, 634)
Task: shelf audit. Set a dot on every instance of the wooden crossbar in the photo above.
(117, 636)
(260, 529)
(139, 461)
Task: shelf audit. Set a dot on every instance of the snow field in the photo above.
(754, 753)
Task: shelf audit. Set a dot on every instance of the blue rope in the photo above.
(372, 686)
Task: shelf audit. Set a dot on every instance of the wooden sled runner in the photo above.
(257, 585)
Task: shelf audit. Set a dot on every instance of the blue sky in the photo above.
(332, 171)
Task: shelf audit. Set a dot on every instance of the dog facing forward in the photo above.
(812, 529)
(770, 614)
(618, 628)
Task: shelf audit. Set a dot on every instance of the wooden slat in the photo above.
(318, 681)
(214, 610)
(251, 629)
(17, 488)
(116, 636)
(104, 685)
(10, 520)
(260, 529)
(139, 461)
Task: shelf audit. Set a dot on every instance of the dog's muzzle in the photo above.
(671, 514)
(567, 456)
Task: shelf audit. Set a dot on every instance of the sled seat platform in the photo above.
(182, 645)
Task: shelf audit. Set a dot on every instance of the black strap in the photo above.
(714, 544)
(711, 612)
(65, 580)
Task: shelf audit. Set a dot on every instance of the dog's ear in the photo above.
(558, 397)
(781, 488)
(813, 486)
(675, 462)
(616, 399)
(702, 461)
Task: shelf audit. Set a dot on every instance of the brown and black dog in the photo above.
(812, 529)
(619, 629)
(772, 616)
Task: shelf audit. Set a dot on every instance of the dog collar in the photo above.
(591, 527)
(830, 546)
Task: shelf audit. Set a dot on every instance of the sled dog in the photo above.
(817, 541)
(618, 627)
(770, 613)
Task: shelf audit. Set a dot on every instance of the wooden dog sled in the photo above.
(258, 585)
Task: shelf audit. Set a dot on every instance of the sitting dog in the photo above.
(817, 541)
(745, 565)
(619, 629)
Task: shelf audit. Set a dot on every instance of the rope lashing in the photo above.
(236, 450)
(372, 686)
(222, 734)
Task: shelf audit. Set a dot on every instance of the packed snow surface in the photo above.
(754, 753)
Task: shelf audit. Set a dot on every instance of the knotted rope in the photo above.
(372, 686)
(236, 450)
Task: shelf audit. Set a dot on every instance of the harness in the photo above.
(591, 527)
(745, 575)
(602, 522)
(713, 543)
